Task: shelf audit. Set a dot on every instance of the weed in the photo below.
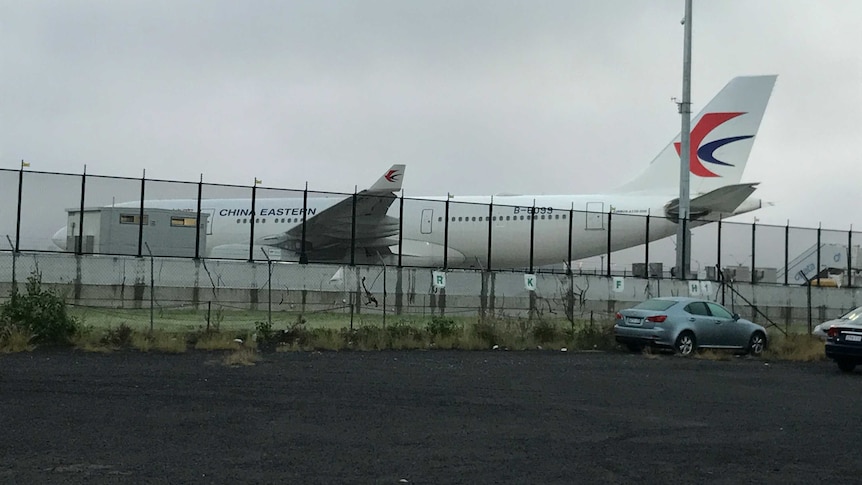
(216, 341)
(169, 343)
(118, 337)
(593, 336)
(13, 340)
(159, 342)
(88, 340)
(795, 347)
(649, 353)
(142, 342)
(486, 334)
(267, 338)
(710, 354)
(39, 312)
(242, 356)
(400, 330)
(441, 327)
(545, 332)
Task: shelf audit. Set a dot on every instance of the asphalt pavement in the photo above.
(425, 417)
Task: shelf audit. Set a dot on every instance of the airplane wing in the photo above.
(329, 234)
(723, 200)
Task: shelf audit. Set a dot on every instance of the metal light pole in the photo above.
(683, 235)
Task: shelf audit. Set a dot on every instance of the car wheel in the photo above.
(635, 348)
(756, 344)
(685, 344)
(846, 365)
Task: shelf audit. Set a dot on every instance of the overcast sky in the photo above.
(476, 97)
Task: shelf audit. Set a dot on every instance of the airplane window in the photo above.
(459, 219)
(543, 217)
(238, 221)
(474, 219)
(256, 219)
(453, 219)
(263, 220)
(507, 218)
(522, 218)
(439, 219)
(564, 216)
(244, 221)
(557, 216)
(494, 218)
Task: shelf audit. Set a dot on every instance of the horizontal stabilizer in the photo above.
(723, 200)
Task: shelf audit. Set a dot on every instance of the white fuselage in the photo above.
(424, 233)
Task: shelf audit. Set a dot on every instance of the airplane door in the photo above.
(210, 220)
(427, 219)
(595, 215)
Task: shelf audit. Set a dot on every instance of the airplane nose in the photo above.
(59, 238)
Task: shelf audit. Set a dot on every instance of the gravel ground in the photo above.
(424, 417)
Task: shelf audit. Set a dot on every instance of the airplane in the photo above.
(420, 231)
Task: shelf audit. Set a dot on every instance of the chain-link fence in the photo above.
(188, 293)
(192, 252)
(92, 214)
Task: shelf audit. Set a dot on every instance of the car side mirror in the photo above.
(735, 317)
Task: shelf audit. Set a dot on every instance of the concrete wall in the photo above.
(124, 282)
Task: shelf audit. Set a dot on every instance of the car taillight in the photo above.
(657, 318)
(619, 316)
(832, 332)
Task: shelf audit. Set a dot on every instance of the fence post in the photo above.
(251, 221)
(786, 251)
(817, 273)
(718, 253)
(18, 217)
(141, 216)
(353, 237)
(609, 244)
(490, 228)
(303, 257)
(850, 257)
(446, 235)
(401, 229)
(571, 216)
(532, 233)
(646, 247)
(198, 224)
(152, 286)
(79, 248)
(753, 266)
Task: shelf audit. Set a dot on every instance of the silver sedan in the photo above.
(686, 324)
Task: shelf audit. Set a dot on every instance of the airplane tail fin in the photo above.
(721, 139)
(390, 181)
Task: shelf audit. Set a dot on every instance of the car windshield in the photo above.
(655, 305)
(853, 314)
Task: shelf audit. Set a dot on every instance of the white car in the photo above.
(854, 315)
